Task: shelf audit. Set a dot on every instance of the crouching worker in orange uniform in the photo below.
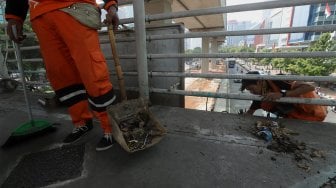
(274, 89)
(76, 67)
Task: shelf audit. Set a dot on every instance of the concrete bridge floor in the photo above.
(201, 149)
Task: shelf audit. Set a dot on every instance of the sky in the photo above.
(253, 16)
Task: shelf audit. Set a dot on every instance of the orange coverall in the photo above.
(310, 112)
(75, 65)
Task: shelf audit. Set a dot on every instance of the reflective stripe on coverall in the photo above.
(75, 65)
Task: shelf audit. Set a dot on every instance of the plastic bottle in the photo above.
(266, 134)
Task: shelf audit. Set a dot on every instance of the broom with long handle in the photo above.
(19, 63)
(33, 127)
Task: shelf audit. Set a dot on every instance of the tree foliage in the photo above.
(311, 66)
(197, 50)
(236, 49)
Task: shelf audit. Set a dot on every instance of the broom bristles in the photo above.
(16, 140)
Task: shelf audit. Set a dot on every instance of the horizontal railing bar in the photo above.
(125, 2)
(324, 28)
(238, 76)
(325, 102)
(234, 8)
(315, 54)
(227, 76)
(221, 55)
(320, 28)
(227, 9)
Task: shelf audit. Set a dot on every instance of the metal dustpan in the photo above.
(134, 126)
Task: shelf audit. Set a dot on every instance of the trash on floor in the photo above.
(134, 126)
(280, 139)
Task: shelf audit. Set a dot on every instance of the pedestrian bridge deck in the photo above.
(201, 149)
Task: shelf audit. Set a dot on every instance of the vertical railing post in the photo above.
(141, 48)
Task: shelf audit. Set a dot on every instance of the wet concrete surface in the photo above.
(201, 149)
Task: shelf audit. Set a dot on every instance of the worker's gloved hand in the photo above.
(112, 17)
(17, 36)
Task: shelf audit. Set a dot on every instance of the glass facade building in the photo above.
(318, 16)
(2, 15)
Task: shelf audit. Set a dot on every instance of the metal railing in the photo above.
(141, 54)
(238, 8)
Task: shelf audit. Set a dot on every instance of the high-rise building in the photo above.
(234, 25)
(279, 18)
(2, 12)
(321, 14)
(299, 16)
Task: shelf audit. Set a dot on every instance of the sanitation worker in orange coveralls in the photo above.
(76, 67)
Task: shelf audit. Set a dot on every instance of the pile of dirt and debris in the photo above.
(281, 140)
(139, 130)
(331, 183)
(134, 126)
